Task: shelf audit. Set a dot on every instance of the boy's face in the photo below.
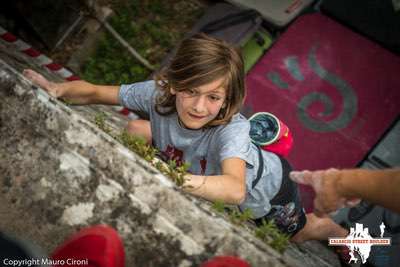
(198, 106)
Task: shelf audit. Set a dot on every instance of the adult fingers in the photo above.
(301, 177)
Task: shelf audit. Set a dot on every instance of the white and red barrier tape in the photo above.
(38, 57)
(48, 63)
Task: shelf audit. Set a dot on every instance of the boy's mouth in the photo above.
(196, 116)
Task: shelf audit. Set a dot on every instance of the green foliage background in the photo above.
(152, 27)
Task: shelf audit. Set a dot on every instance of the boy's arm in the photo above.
(79, 92)
(336, 188)
(230, 187)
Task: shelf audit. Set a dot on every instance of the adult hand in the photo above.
(52, 88)
(327, 186)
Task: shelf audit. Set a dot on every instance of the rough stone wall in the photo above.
(59, 173)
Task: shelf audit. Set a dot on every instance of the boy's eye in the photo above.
(190, 92)
(214, 98)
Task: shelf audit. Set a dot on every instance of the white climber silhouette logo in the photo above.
(359, 240)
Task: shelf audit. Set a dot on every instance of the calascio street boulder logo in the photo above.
(359, 240)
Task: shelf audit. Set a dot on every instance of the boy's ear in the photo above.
(172, 91)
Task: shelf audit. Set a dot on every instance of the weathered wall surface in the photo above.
(59, 173)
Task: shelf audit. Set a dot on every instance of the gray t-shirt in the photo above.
(205, 149)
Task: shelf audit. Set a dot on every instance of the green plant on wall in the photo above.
(268, 232)
(139, 145)
(100, 121)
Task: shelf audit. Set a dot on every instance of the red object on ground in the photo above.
(225, 261)
(97, 246)
(337, 91)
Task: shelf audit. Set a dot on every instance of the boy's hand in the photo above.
(326, 186)
(51, 88)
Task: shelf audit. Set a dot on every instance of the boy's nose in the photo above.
(199, 104)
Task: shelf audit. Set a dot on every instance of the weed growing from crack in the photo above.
(219, 206)
(238, 217)
(139, 145)
(177, 173)
(100, 121)
(170, 169)
(268, 232)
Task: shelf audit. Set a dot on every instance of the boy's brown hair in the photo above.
(199, 60)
